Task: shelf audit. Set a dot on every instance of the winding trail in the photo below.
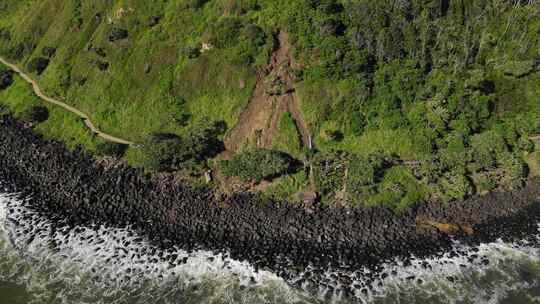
(82, 115)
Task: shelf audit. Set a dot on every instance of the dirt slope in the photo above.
(273, 96)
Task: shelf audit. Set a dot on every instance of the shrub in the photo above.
(454, 185)
(515, 170)
(160, 151)
(358, 123)
(166, 151)
(517, 68)
(240, 7)
(35, 114)
(38, 65)
(6, 79)
(399, 189)
(225, 33)
(363, 175)
(195, 4)
(48, 51)
(329, 171)
(111, 149)
(484, 183)
(254, 34)
(118, 34)
(257, 165)
(486, 147)
(191, 52)
(20, 50)
(525, 144)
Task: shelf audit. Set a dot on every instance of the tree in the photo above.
(166, 151)
(487, 147)
(35, 114)
(363, 175)
(6, 79)
(257, 165)
(111, 149)
(329, 171)
(38, 65)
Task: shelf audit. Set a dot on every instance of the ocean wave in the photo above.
(57, 263)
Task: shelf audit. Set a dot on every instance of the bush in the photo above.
(195, 4)
(399, 189)
(455, 185)
(111, 149)
(48, 51)
(515, 168)
(225, 33)
(160, 151)
(38, 65)
(166, 151)
(6, 79)
(191, 52)
(364, 174)
(118, 34)
(517, 68)
(329, 171)
(35, 114)
(486, 148)
(257, 165)
(525, 144)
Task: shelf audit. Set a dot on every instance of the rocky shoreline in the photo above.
(282, 237)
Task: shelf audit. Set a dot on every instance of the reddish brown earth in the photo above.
(259, 122)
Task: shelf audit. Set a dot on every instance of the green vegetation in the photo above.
(167, 151)
(35, 114)
(111, 149)
(288, 138)
(405, 100)
(257, 165)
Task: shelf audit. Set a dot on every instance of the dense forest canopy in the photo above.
(406, 100)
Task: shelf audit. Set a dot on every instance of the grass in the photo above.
(286, 187)
(61, 125)
(287, 139)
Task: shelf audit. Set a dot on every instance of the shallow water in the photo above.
(43, 264)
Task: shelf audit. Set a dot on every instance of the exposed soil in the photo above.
(273, 96)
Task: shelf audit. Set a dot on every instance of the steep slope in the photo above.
(274, 95)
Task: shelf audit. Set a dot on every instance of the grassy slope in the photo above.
(128, 100)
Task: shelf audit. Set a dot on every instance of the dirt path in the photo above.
(83, 116)
(260, 120)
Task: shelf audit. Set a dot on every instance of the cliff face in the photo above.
(444, 93)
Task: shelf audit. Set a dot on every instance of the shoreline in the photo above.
(284, 237)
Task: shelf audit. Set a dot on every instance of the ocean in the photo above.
(46, 262)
